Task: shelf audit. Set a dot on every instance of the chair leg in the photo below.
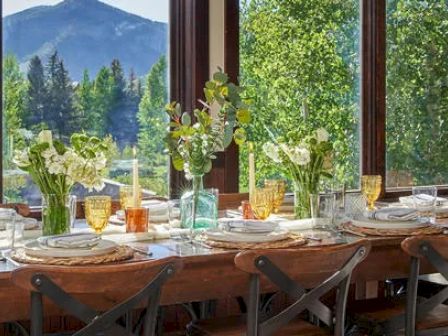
(36, 314)
(254, 302)
(151, 314)
(411, 300)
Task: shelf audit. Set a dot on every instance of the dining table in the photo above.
(210, 274)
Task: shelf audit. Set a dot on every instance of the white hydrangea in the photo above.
(300, 156)
(54, 162)
(272, 151)
(322, 135)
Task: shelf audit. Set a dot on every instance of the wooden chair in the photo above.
(111, 292)
(428, 316)
(291, 271)
(416, 316)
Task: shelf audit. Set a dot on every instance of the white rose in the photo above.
(322, 135)
(300, 156)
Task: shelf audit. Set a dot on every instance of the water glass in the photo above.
(338, 190)
(13, 230)
(174, 213)
(98, 211)
(371, 189)
(425, 200)
(278, 187)
(323, 210)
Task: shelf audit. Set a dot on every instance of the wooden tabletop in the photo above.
(211, 274)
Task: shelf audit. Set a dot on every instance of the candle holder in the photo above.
(137, 219)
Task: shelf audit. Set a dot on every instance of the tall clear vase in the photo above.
(302, 199)
(198, 207)
(58, 212)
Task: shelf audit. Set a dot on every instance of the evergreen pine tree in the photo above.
(36, 99)
(60, 114)
(122, 122)
(102, 102)
(84, 104)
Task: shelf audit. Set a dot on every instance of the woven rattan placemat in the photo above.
(288, 242)
(426, 230)
(120, 254)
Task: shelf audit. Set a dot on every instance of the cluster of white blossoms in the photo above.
(75, 167)
(300, 154)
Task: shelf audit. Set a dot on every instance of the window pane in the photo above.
(302, 55)
(417, 93)
(87, 65)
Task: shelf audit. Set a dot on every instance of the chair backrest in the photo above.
(435, 250)
(136, 281)
(294, 270)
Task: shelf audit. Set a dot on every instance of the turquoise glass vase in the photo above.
(198, 207)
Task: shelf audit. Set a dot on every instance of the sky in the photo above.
(151, 9)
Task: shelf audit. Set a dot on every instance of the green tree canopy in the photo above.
(300, 57)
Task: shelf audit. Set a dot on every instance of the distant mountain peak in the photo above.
(86, 34)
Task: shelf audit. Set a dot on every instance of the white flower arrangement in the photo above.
(307, 156)
(55, 168)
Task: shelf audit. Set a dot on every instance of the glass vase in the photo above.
(58, 212)
(198, 207)
(302, 200)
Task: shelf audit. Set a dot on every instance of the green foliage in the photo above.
(102, 92)
(37, 94)
(14, 102)
(417, 90)
(59, 113)
(192, 146)
(151, 116)
(300, 58)
(109, 103)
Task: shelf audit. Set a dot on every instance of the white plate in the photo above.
(225, 236)
(376, 224)
(34, 249)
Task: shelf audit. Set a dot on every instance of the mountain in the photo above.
(87, 34)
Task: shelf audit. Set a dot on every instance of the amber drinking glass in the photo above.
(97, 211)
(127, 197)
(371, 189)
(278, 188)
(262, 202)
(137, 219)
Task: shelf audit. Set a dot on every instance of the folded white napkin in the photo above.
(409, 200)
(246, 225)
(303, 224)
(393, 214)
(73, 240)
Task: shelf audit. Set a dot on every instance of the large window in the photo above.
(86, 65)
(301, 59)
(417, 93)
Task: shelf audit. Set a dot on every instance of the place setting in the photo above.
(413, 215)
(71, 250)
